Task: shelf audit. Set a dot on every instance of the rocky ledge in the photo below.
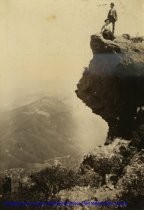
(113, 84)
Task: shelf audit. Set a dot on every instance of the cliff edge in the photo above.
(113, 84)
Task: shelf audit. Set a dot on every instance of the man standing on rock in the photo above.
(112, 16)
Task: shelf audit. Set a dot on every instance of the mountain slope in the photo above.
(36, 132)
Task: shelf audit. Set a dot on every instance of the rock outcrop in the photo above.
(113, 84)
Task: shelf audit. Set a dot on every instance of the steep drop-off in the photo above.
(113, 84)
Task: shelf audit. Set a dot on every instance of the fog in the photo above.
(45, 45)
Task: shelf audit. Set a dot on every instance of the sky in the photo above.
(44, 44)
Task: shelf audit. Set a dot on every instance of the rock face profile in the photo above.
(113, 84)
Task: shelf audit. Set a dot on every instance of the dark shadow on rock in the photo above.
(113, 84)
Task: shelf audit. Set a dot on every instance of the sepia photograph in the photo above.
(71, 104)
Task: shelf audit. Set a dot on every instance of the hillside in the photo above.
(113, 87)
(36, 132)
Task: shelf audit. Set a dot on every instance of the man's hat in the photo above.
(112, 4)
